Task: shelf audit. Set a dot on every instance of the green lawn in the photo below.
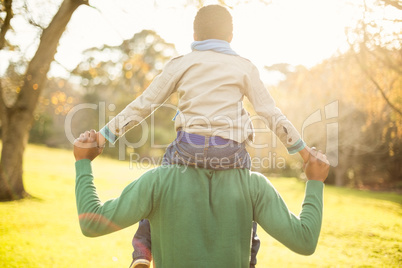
(359, 228)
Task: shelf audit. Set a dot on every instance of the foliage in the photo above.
(34, 230)
(56, 101)
(365, 83)
(17, 117)
(109, 77)
(376, 42)
(369, 148)
(363, 86)
(117, 75)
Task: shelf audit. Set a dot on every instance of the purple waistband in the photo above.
(201, 140)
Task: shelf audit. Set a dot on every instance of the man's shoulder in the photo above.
(184, 171)
(260, 179)
(166, 170)
(256, 175)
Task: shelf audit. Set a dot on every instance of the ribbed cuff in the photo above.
(297, 147)
(105, 131)
(177, 113)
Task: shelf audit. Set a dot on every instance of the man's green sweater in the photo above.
(200, 217)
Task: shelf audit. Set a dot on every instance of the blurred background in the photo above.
(334, 68)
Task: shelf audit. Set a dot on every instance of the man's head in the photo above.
(213, 22)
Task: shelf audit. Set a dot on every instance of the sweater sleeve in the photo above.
(265, 106)
(95, 218)
(299, 233)
(152, 98)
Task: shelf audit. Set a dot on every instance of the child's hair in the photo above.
(213, 22)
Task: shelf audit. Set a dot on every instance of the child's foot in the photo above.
(140, 263)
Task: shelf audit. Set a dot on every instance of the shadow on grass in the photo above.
(26, 197)
(35, 198)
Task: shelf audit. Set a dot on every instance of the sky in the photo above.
(286, 31)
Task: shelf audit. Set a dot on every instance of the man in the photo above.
(200, 217)
(212, 126)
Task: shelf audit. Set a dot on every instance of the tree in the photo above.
(368, 143)
(377, 37)
(116, 75)
(376, 45)
(366, 81)
(17, 117)
(55, 102)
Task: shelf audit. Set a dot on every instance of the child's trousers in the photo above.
(206, 152)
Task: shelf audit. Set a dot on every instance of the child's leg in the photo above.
(182, 154)
(229, 156)
(142, 242)
(255, 246)
(213, 153)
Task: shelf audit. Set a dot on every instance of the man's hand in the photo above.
(86, 146)
(317, 167)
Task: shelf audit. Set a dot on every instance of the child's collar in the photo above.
(216, 45)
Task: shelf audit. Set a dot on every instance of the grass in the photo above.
(360, 229)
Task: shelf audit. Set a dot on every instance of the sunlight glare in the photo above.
(289, 31)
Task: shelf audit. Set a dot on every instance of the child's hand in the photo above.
(305, 154)
(307, 151)
(101, 141)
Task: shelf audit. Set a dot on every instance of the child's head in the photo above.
(213, 22)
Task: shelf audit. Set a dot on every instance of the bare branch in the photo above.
(364, 49)
(29, 18)
(6, 24)
(38, 67)
(109, 21)
(385, 59)
(394, 3)
(62, 66)
(4, 28)
(370, 77)
(393, 20)
(3, 106)
(33, 23)
(383, 94)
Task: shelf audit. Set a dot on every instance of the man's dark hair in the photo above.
(213, 22)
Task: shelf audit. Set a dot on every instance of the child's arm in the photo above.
(152, 98)
(305, 153)
(101, 140)
(265, 106)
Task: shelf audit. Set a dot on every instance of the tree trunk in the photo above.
(17, 119)
(15, 137)
(340, 174)
(344, 161)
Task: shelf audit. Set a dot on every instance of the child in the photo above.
(211, 122)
